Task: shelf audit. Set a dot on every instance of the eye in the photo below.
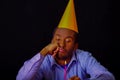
(68, 40)
(57, 38)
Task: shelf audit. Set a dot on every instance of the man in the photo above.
(61, 60)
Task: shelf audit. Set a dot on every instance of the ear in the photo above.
(76, 46)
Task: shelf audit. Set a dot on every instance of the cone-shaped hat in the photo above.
(68, 19)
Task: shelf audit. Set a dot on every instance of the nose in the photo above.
(62, 44)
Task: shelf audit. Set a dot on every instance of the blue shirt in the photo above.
(82, 64)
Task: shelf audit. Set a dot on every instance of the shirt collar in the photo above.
(54, 64)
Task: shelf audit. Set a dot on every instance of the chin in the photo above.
(61, 56)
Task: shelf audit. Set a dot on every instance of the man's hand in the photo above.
(51, 49)
(74, 78)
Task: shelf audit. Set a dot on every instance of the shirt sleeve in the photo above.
(29, 70)
(96, 70)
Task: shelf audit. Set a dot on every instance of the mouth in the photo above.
(61, 50)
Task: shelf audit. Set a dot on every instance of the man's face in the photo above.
(65, 39)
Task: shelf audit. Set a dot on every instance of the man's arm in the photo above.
(96, 70)
(29, 70)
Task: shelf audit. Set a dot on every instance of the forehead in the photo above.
(64, 32)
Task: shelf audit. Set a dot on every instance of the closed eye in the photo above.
(68, 40)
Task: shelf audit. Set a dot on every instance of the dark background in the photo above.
(26, 27)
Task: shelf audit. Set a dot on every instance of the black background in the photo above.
(26, 27)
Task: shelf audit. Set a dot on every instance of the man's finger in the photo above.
(55, 52)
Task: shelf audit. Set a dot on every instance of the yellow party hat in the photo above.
(68, 19)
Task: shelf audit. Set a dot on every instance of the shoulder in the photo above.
(83, 56)
(82, 53)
